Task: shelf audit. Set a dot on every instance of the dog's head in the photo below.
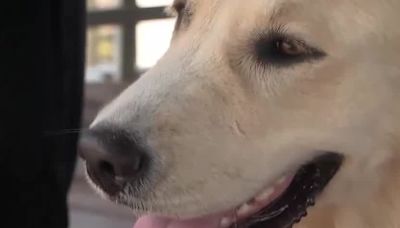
(258, 101)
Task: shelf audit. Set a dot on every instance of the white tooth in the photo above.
(244, 210)
(265, 194)
(281, 181)
(226, 222)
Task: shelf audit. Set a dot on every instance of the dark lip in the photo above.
(307, 185)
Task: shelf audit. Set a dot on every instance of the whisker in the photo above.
(65, 132)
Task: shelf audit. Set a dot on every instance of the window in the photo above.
(103, 4)
(152, 3)
(149, 46)
(125, 38)
(103, 54)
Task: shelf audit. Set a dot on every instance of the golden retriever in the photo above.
(261, 112)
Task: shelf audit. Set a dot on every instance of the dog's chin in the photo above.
(281, 205)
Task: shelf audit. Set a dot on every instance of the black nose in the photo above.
(113, 158)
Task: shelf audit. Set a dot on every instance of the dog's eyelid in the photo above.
(283, 32)
(179, 5)
(278, 47)
(310, 44)
(309, 48)
(183, 11)
(176, 8)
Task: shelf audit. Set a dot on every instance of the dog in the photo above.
(262, 114)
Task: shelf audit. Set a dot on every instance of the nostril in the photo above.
(128, 168)
(107, 168)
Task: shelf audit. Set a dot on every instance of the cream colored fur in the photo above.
(224, 129)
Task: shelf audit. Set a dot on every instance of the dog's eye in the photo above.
(281, 50)
(179, 7)
(290, 47)
(183, 12)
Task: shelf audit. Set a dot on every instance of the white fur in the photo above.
(222, 132)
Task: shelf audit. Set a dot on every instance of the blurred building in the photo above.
(110, 55)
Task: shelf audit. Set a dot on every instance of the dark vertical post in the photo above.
(128, 44)
(42, 45)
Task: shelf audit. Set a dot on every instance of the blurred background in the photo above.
(124, 39)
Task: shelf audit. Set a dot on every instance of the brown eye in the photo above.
(179, 7)
(291, 47)
(281, 50)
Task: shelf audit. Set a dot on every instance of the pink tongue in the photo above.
(158, 222)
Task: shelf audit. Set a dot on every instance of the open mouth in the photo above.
(280, 206)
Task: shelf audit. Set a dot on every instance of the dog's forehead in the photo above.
(229, 14)
(274, 5)
(232, 3)
(239, 8)
(301, 14)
